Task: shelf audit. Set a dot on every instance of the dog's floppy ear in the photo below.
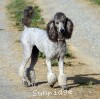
(52, 31)
(69, 28)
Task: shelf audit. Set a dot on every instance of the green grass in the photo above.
(16, 8)
(69, 55)
(41, 55)
(54, 63)
(96, 1)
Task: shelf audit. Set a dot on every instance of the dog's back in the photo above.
(35, 36)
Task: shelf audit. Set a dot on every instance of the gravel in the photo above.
(7, 90)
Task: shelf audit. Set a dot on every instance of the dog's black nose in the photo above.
(62, 30)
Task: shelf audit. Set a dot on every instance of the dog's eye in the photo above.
(57, 22)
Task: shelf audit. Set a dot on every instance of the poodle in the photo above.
(52, 43)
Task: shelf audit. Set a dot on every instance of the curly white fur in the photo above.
(52, 79)
(62, 80)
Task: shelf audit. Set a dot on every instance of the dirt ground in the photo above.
(82, 70)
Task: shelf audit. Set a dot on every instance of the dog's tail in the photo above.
(28, 14)
(26, 22)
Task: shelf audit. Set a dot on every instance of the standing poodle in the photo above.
(51, 43)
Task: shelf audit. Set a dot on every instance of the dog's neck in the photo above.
(61, 38)
(61, 44)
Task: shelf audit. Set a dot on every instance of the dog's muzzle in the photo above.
(62, 30)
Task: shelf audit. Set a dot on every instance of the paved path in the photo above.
(7, 56)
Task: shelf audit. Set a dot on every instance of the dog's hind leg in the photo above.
(22, 69)
(52, 78)
(30, 69)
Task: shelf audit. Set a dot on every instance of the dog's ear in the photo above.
(52, 31)
(69, 28)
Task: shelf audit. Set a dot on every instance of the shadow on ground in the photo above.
(78, 80)
(40, 83)
(83, 80)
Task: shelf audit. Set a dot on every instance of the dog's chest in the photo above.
(58, 50)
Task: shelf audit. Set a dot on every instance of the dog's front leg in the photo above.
(62, 77)
(52, 78)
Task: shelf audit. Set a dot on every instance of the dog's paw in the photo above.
(27, 83)
(62, 80)
(31, 76)
(52, 79)
(65, 87)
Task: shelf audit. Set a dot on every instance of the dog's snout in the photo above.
(62, 30)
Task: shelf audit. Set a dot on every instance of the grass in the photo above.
(69, 55)
(96, 1)
(54, 63)
(16, 8)
(41, 55)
